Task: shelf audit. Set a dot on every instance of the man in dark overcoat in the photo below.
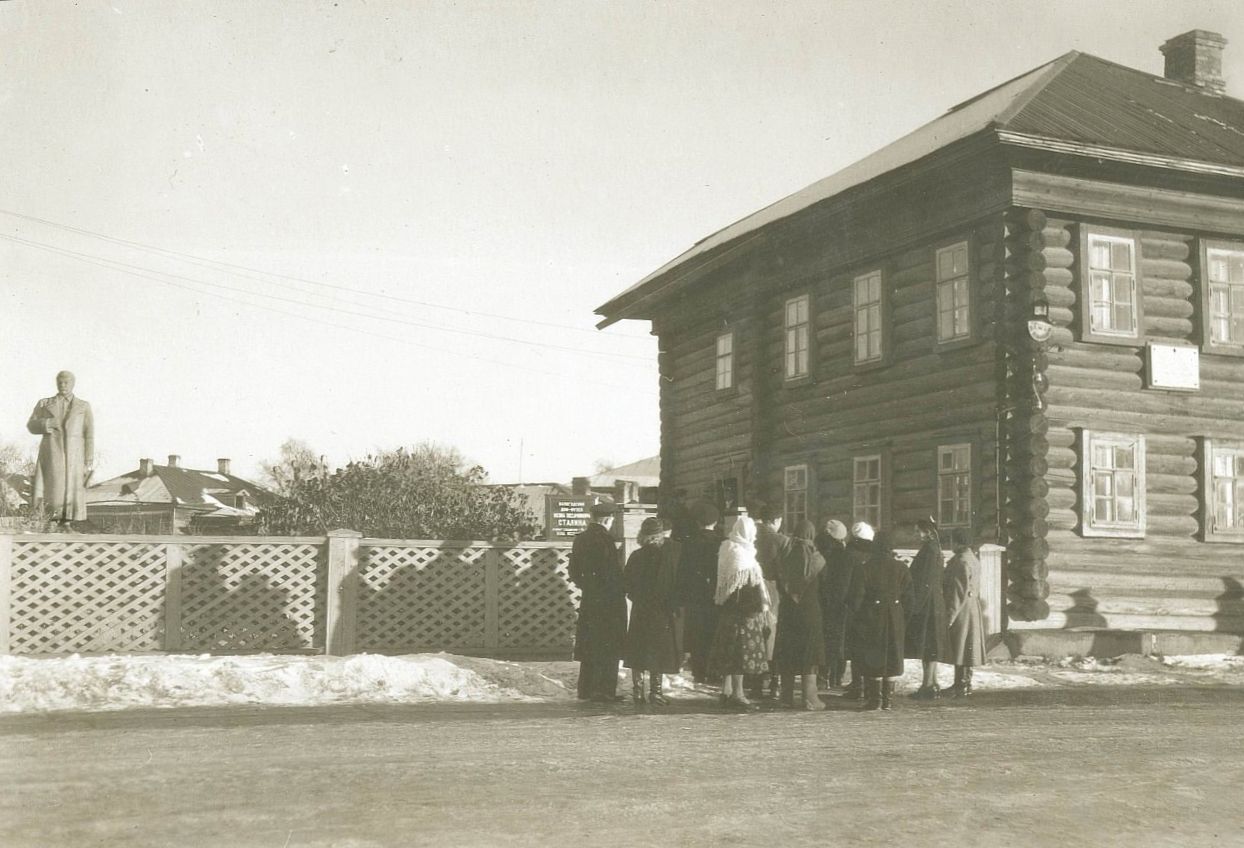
(771, 547)
(832, 544)
(697, 581)
(596, 568)
(859, 548)
(878, 602)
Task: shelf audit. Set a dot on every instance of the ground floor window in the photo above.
(1224, 490)
(1112, 484)
(954, 485)
(866, 490)
(796, 489)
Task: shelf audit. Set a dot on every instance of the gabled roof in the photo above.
(644, 472)
(169, 484)
(1077, 99)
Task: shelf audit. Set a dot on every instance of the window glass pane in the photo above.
(1121, 256)
(874, 345)
(1103, 485)
(1222, 464)
(1124, 457)
(1125, 510)
(861, 291)
(1099, 253)
(1103, 457)
(945, 264)
(1125, 485)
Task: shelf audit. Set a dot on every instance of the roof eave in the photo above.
(1116, 154)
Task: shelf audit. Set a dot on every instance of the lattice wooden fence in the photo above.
(94, 593)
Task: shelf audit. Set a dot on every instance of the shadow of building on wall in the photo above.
(1229, 615)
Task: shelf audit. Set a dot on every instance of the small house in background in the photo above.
(639, 481)
(166, 499)
(1025, 318)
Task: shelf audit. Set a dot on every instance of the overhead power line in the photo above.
(217, 263)
(146, 273)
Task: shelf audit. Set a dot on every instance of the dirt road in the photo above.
(1093, 767)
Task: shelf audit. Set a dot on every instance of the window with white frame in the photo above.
(796, 489)
(1226, 295)
(954, 485)
(952, 293)
(1113, 484)
(796, 337)
(725, 361)
(868, 317)
(866, 490)
(1224, 490)
(1113, 295)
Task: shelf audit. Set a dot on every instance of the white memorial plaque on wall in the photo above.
(1174, 367)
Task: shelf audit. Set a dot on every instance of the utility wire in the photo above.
(141, 271)
(204, 262)
(105, 263)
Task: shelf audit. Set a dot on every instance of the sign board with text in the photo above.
(565, 516)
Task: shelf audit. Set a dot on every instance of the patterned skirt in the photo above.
(739, 643)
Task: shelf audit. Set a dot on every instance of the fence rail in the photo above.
(339, 594)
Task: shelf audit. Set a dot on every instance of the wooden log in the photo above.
(1028, 527)
(1157, 287)
(1166, 307)
(1098, 358)
(1059, 457)
(1172, 525)
(1061, 297)
(1163, 246)
(1168, 269)
(1085, 378)
(1170, 328)
(1020, 490)
(1169, 484)
(1055, 236)
(1028, 610)
(1061, 315)
(1135, 406)
(1029, 589)
(1063, 519)
(1058, 257)
(1171, 503)
(1060, 437)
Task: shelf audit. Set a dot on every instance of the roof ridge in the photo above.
(1066, 56)
(1021, 102)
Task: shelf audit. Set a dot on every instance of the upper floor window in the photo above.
(868, 317)
(1113, 298)
(796, 489)
(866, 490)
(1113, 484)
(952, 293)
(796, 324)
(1225, 278)
(725, 361)
(954, 485)
(1224, 490)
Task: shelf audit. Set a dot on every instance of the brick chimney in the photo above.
(1195, 58)
(144, 467)
(174, 461)
(222, 466)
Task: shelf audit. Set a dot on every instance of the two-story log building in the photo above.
(861, 348)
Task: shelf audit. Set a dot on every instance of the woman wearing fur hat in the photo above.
(651, 638)
(831, 542)
(739, 645)
(962, 585)
(859, 549)
(878, 599)
(697, 583)
(926, 618)
(800, 645)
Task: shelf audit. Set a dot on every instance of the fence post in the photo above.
(340, 620)
(173, 558)
(492, 598)
(6, 589)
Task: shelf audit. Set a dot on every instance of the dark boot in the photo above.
(786, 695)
(967, 680)
(835, 674)
(655, 684)
(637, 686)
(872, 694)
(855, 689)
(887, 694)
(957, 689)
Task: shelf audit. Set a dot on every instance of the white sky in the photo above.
(527, 160)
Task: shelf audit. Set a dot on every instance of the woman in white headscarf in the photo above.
(739, 643)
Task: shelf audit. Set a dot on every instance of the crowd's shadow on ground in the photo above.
(681, 707)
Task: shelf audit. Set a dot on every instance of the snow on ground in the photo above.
(119, 682)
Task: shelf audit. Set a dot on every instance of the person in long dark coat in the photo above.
(697, 581)
(651, 637)
(771, 546)
(595, 567)
(877, 601)
(859, 550)
(926, 619)
(800, 644)
(965, 622)
(832, 545)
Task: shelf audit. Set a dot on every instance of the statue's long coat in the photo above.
(64, 454)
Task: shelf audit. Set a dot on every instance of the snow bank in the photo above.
(117, 682)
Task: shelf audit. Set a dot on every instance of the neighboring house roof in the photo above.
(16, 489)
(205, 491)
(646, 473)
(533, 495)
(1076, 104)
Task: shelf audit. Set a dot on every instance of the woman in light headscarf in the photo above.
(739, 643)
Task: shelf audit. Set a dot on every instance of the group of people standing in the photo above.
(759, 608)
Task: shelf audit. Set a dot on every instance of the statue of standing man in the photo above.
(66, 454)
